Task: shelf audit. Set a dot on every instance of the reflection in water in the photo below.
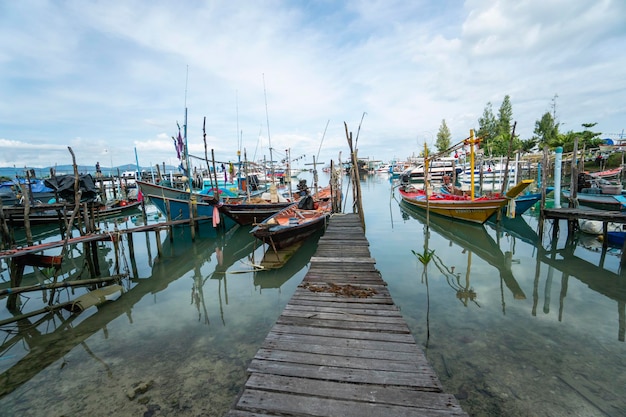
(472, 238)
(33, 345)
(475, 239)
(275, 278)
(489, 362)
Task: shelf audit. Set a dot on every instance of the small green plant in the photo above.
(424, 257)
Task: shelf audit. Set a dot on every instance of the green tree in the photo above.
(497, 143)
(590, 139)
(527, 145)
(487, 124)
(443, 137)
(546, 131)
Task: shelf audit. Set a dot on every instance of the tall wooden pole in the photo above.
(355, 177)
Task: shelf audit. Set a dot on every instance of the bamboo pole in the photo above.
(63, 284)
(35, 313)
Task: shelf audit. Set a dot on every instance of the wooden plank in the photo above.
(425, 380)
(350, 362)
(344, 324)
(317, 291)
(337, 342)
(357, 312)
(366, 393)
(348, 307)
(353, 334)
(342, 260)
(346, 347)
(302, 405)
(319, 348)
(340, 315)
(241, 413)
(343, 242)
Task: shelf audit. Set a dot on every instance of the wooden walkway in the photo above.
(341, 346)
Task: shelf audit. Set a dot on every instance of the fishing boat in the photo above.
(177, 204)
(253, 210)
(294, 223)
(256, 208)
(598, 193)
(461, 207)
(43, 214)
(523, 202)
(606, 174)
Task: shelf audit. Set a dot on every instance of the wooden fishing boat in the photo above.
(248, 212)
(609, 173)
(293, 223)
(177, 204)
(523, 202)
(461, 207)
(43, 214)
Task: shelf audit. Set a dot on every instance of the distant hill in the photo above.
(12, 172)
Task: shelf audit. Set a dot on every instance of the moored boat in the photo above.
(177, 204)
(437, 169)
(461, 207)
(54, 213)
(294, 223)
(251, 212)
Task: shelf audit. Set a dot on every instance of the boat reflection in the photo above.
(573, 260)
(275, 278)
(473, 238)
(41, 341)
(598, 278)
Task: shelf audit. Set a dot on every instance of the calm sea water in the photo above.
(510, 329)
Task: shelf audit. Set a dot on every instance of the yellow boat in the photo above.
(462, 207)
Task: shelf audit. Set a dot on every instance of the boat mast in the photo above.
(239, 145)
(185, 135)
(269, 139)
(471, 143)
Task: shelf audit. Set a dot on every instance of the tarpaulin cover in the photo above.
(64, 186)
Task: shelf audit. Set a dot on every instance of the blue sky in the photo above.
(108, 77)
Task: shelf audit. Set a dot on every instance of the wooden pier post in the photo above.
(116, 247)
(157, 235)
(16, 275)
(542, 217)
(192, 209)
(6, 240)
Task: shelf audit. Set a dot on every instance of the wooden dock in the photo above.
(341, 346)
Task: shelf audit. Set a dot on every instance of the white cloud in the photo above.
(113, 74)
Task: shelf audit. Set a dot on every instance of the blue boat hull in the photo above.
(179, 210)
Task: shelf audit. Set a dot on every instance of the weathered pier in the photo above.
(341, 346)
(572, 215)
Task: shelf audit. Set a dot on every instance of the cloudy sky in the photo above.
(110, 77)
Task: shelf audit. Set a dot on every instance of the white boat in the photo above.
(492, 177)
(437, 169)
